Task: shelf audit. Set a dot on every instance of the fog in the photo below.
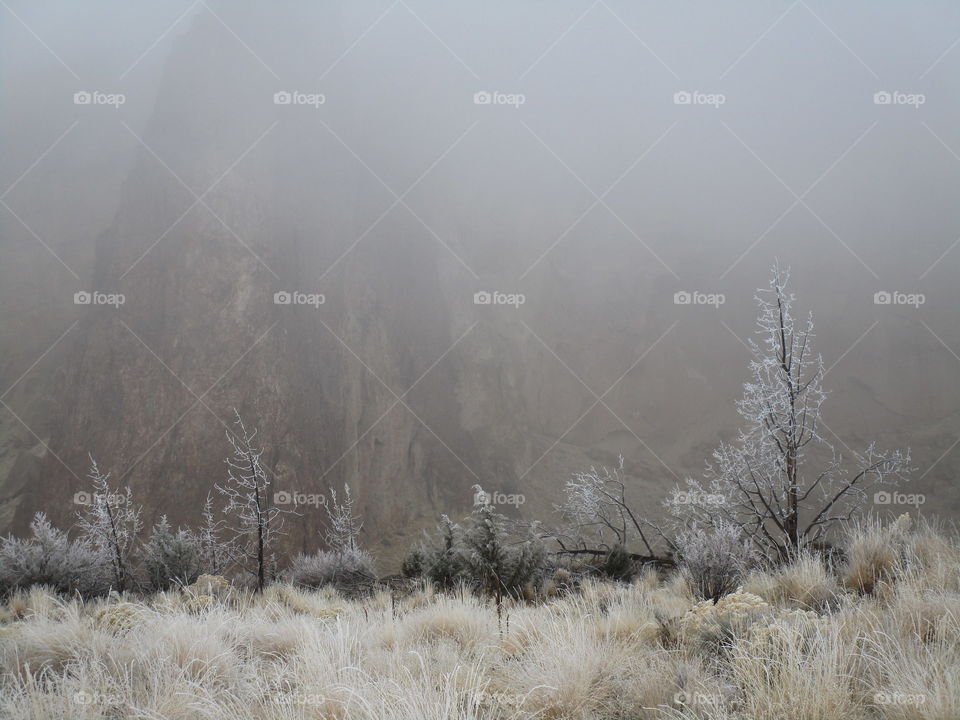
(582, 162)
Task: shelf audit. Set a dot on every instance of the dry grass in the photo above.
(880, 640)
(805, 584)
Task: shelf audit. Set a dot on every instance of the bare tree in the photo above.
(249, 501)
(781, 483)
(216, 552)
(111, 522)
(343, 525)
(596, 512)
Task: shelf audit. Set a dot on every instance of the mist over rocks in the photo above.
(399, 198)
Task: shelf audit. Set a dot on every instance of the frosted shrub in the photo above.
(343, 569)
(713, 561)
(120, 618)
(50, 558)
(441, 559)
(710, 626)
(480, 554)
(111, 523)
(494, 565)
(171, 559)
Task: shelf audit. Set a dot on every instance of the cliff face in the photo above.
(149, 387)
(398, 383)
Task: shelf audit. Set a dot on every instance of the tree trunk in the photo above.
(260, 569)
(792, 525)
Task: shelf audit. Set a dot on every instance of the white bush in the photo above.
(50, 558)
(344, 568)
(715, 561)
(171, 558)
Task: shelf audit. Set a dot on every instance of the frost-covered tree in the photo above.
(345, 564)
(492, 563)
(596, 513)
(111, 523)
(343, 525)
(781, 483)
(216, 552)
(439, 558)
(258, 523)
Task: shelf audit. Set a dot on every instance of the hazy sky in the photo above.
(596, 157)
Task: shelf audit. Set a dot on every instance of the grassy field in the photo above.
(877, 637)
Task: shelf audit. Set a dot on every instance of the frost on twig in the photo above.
(781, 482)
(111, 523)
(257, 521)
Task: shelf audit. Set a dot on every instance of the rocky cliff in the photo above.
(396, 199)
